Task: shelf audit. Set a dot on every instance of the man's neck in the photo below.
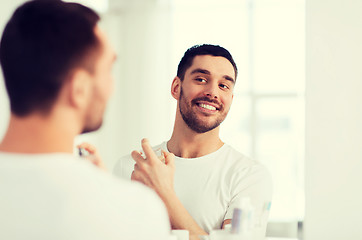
(37, 134)
(187, 143)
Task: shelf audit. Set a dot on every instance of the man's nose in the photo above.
(211, 91)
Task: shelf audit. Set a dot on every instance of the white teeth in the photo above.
(207, 106)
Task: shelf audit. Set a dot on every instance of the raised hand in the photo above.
(92, 155)
(153, 171)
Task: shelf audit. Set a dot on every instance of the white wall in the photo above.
(140, 33)
(6, 9)
(333, 120)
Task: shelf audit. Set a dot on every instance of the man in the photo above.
(57, 63)
(208, 178)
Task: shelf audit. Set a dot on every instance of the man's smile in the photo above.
(207, 106)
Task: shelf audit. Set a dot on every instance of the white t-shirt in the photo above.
(61, 197)
(211, 186)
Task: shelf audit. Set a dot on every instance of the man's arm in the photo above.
(160, 177)
(179, 217)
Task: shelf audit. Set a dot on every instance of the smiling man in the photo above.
(203, 179)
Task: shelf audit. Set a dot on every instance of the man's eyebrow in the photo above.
(204, 71)
(200, 70)
(229, 78)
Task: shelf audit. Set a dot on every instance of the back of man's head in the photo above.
(41, 44)
(204, 49)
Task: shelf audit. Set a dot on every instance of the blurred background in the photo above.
(273, 43)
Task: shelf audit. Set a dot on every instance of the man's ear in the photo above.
(79, 88)
(176, 88)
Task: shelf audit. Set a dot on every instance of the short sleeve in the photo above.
(254, 182)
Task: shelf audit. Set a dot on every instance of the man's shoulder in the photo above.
(105, 199)
(247, 172)
(240, 161)
(236, 156)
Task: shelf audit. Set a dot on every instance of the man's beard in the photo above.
(88, 129)
(191, 119)
(94, 116)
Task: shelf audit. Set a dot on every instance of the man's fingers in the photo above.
(169, 158)
(150, 154)
(137, 176)
(140, 177)
(91, 155)
(162, 157)
(135, 167)
(134, 175)
(87, 146)
(141, 164)
(137, 157)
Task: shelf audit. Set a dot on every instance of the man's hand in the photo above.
(152, 171)
(93, 156)
(160, 176)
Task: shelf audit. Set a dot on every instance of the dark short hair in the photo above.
(205, 49)
(42, 42)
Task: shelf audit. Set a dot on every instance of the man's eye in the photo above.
(224, 86)
(200, 80)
